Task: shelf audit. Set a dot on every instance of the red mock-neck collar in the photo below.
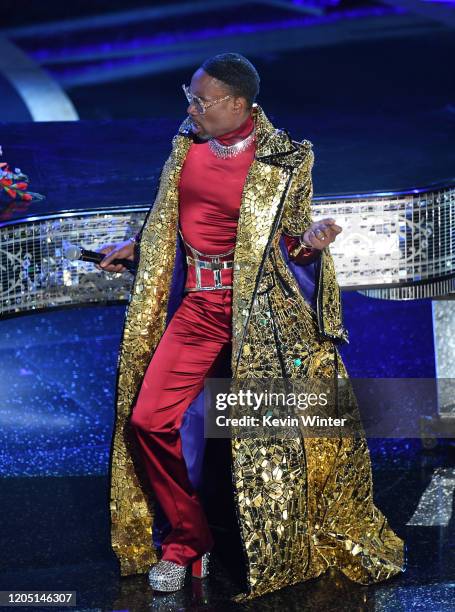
(241, 132)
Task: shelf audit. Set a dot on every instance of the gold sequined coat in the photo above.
(304, 504)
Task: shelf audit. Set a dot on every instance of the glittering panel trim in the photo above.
(329, 299)
(297, 212)
(131, 504)
(337, 524)
(349, 531)
(271, 496)
(296, 219)
(261, 198)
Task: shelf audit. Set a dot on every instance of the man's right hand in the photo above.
(121, 250)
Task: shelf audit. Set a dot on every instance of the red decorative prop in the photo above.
(14, 194)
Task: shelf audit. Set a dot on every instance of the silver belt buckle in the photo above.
(213, 264)
(217, 276)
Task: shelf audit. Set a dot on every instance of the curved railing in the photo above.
(396, 245)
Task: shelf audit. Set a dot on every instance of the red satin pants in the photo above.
(187, 353)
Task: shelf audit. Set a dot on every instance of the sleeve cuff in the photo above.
(298, 252)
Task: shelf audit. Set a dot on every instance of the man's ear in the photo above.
(239, 105)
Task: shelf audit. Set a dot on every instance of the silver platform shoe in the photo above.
(169, 576)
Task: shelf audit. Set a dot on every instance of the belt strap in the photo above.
(207, 288)
(210, 265)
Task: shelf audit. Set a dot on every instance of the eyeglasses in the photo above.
(199, 104)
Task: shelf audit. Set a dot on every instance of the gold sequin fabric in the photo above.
(304, 504)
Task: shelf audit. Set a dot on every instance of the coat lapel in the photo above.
(266, 186)
(262, 202)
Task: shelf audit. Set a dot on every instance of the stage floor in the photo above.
(56, 532)
(56, 414)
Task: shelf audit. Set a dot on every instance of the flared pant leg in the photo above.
(186, 354)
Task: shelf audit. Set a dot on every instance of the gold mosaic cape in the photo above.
(304, 504)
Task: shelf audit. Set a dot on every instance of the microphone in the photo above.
(77, 253)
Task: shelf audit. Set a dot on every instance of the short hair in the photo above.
(236, 72)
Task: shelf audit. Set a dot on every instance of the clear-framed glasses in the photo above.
(199, 104)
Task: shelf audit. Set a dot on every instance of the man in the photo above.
(229, 258)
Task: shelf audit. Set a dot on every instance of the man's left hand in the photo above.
(321, 233)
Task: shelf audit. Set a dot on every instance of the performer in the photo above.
(229, 259)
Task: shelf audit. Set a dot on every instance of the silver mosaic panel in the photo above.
(398, 246)
(34, 273)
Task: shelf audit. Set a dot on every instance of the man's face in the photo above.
(220, 118)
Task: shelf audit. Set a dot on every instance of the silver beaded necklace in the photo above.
(227, 151)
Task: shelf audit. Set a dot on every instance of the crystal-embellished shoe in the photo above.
(170, 576)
